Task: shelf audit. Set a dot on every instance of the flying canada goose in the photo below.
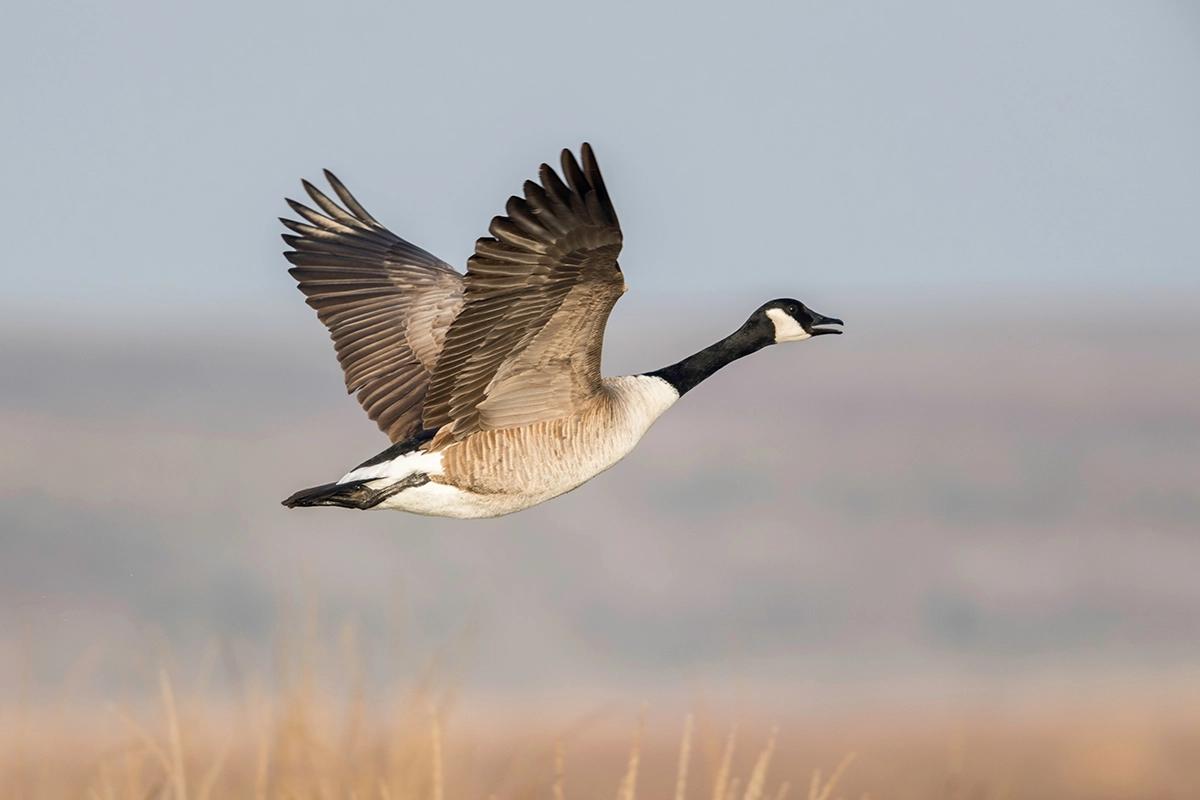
(489, 384)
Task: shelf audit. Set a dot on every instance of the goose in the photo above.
(488, 384)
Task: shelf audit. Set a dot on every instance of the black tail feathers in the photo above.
(352, 494)
(345, 495)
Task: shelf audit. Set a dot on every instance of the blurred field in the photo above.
(959, 496)
(312, 739)
(958, 542)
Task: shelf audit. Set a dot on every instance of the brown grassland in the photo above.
(318, 737)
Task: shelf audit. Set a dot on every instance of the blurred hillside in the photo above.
(947, 499)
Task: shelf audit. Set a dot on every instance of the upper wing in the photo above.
(387, 304)
(526, 346)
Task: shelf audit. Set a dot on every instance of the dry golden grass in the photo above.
(297, 747)
(310, 737)
(298, 744)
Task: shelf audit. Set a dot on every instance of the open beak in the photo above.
(820, 320)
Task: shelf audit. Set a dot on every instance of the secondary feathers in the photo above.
(386, 302)
(526, 346)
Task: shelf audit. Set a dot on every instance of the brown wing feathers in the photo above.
(558, 238)
(422, 347)
(386, 302)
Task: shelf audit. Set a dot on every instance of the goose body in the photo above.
(499, 472)
(489, 384)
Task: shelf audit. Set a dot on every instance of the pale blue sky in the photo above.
(804, 148)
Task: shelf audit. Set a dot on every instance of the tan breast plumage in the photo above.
(550, 457)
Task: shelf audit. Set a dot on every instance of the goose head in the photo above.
(787, 320)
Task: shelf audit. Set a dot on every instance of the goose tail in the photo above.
(352, 494)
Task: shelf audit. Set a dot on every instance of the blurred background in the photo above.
(985, 494)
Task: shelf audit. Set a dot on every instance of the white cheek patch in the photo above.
(786, 327)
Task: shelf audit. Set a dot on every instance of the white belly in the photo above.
(443, 500)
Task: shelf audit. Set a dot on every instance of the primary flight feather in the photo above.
(488, 384)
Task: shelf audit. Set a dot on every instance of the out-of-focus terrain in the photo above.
(961, 534)
(314, 740)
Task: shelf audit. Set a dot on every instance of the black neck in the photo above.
(692, 370)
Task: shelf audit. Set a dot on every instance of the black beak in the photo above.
(820, 320)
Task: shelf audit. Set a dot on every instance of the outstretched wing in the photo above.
(526, 346)
(387, 304)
